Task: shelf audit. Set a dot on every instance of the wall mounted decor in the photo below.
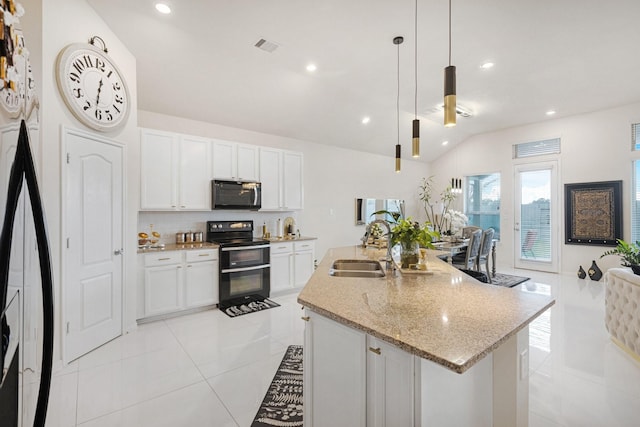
(593, 213)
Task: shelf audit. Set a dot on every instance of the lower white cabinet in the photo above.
(334, 374)
(292, 264)
(390, 383)
(177, 280)
(201, 278)
(354, 379)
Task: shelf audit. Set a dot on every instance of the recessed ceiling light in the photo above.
(487, 65)
(163, 8)
(445, 142)
(550, 113)
(311, 68)
(366, 120)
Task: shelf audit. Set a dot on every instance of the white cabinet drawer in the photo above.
(303, 246)
(162, 258)
(280, 248)
(204, 255)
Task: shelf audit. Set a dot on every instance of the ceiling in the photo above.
(200, 62)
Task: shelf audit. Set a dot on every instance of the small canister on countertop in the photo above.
(180, 237)
(198, 236)
(188, 237)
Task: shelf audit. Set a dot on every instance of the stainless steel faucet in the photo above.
(389, 260)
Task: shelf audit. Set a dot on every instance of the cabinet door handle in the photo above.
(163, 259)
(305, 318)
(203, 255)
(375, 350)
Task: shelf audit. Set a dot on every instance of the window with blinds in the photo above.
(635, 137)
(536, 148)
(635, 203)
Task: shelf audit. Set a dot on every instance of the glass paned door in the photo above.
(536, 231)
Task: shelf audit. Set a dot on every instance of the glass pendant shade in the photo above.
(398, 148)
(415, 142)
(450, 96)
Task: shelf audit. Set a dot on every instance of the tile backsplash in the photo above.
(170, 223)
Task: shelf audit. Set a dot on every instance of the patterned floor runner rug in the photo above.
(282, 405)
(245, 305)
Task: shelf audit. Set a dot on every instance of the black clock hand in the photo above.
(99, 89)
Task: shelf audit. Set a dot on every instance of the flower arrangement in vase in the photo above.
(438, 212)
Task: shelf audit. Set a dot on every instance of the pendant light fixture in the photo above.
(415, 141)
(450, 86)
(398, 41)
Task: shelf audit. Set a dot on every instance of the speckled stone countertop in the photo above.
(293, 239)
(446, 317)
(179, 247)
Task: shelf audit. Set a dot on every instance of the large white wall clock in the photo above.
(92, 86)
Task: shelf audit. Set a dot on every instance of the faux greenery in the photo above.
(405, 231)
(629, 252)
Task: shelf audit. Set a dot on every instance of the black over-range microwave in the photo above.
(244, 195)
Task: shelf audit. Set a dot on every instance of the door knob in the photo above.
(118, 252)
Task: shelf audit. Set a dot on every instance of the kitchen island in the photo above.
(436, 348)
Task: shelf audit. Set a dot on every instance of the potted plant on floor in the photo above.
(629, 254)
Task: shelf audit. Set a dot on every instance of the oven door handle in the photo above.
(237, 270)
(244, 248)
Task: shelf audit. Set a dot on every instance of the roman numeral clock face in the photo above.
(92, 87)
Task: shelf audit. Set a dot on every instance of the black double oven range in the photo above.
(244, 261)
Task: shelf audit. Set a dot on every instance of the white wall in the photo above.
(333, 179)
(595, 147)
(66, 22)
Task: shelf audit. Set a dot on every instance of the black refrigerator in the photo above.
(26, 287)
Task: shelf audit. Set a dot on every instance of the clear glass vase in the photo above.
(409, 254)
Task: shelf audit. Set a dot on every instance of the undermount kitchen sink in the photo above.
(356, 268)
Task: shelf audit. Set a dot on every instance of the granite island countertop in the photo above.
(444, 316)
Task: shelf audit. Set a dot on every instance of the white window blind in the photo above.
(536, 148)
(635, 203)
(635, 137)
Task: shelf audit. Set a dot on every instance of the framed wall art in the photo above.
(593, 213)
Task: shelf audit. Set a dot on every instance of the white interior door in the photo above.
(536, 217)
(93, 226)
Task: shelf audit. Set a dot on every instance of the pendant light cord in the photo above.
(449, 32)
(398, 97)
(416, 61)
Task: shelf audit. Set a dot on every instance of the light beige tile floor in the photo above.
(207, 369)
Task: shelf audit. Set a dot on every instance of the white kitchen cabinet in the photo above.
(162, 283)
(195, 173)
(292, 264)
(282, 269)
(292, 180)
(201, 278)
(177, 280)
(334, 374)
(303, 261)
(281, 175)
(175, 172)
(390, 385)
(158, 170)
(233, 161)
(350, 373)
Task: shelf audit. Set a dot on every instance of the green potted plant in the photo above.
(410, 235)
(629, 254)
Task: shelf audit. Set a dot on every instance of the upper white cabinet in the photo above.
(233, 161)
(175, 172)
(281, 175)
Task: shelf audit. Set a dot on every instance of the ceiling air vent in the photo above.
(266, 45)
